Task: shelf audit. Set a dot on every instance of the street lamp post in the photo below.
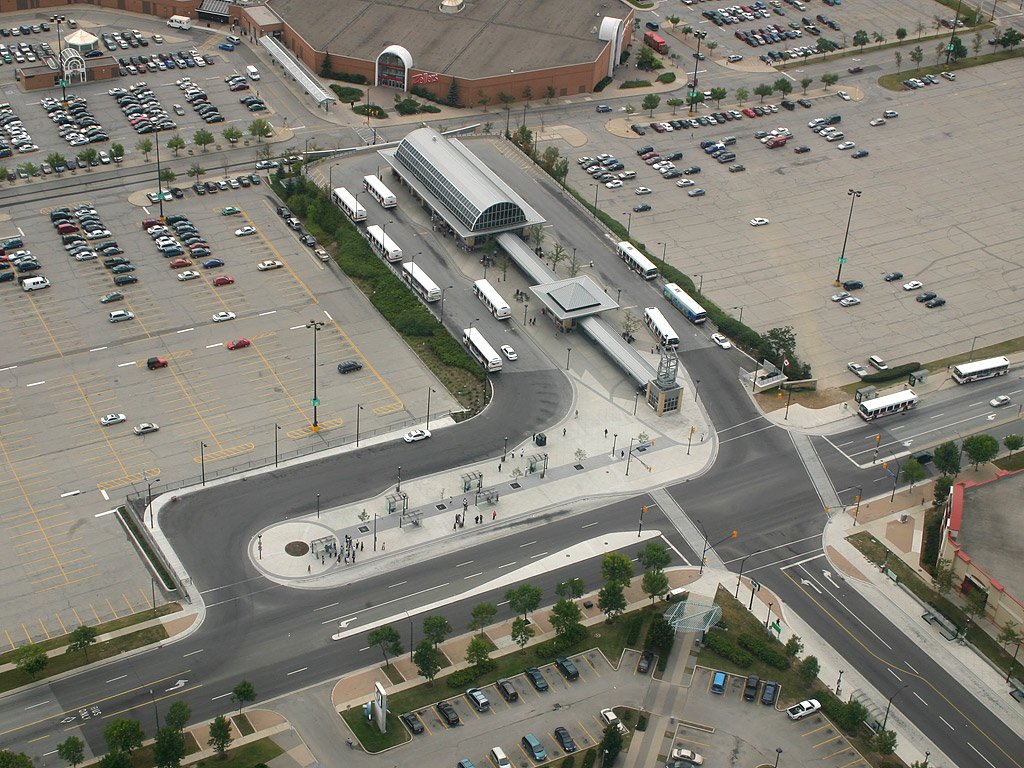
(446, 288)
(743, 562)
(778, 754)
(277, 429)
(156, 710)
(318, 506)
(58, 19)
(410, 635)
(769, 615)
(316, 325)
(159, 181)
(895, 480)
(526, 308)
(504, 449)
(597, 187)
(700, 35)
(741, 314)
(839, 682)
(888, 706)
(398, 488)
(202, 461)
(615, 439)
(952, 35)
(358, 409)
(696, 388)
(664, 251)
(707, 545)
(854, 194)
(629, 222)
(429, 391)
(856, 509)
(149, 498)
(629, 455)
(1009, 672)
(568, 352)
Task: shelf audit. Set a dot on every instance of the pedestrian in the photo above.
(577, 414)
(606, 433)
(382, 546)
(309, 569)
(465, 504)
(622, 454)
(494, 514)
(362, 546)
(346, 559)
(522, 452)
(353, 558)
(499, 466)
(563, 431)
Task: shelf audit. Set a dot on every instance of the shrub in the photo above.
(371, 110)
(718, 644)
(347, 95)
(667, 77)
(604, 82)
(899, 372)
(590, 758)
(763, 650)
(412, 107)
(569, 762)
(464, 677)
(636, 84)
(423, 93)
(634, 624)
(347, 77)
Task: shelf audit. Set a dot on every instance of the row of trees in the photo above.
(783, 86)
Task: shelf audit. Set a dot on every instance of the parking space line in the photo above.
(43, 627)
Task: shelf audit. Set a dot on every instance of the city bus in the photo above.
(492, 300)
(982, 369)
(681, 300)
(380, 193)
(481, 350)
(660, 327)
(656, 42)
(887, 404)
(385, 247)
(420, 283)
(636, 261)
(344, 200)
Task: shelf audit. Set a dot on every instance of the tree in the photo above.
(524, 599)
(781, 341)
(1011, 38)
(117, 152)
(762, 90)
(168, 748)
(646, 60)
(824, 46)
(697, 97)
(660, 635)
(176, 143)
(124, 735)
(242, 694)
(899, 60)
(980, 449)
(917, 56)
(548, 159)
(611, 600)
(527, 93)
(483, 99)
(860, 38)
(885, 742)
(453, 93)
(561, 170)
(651, 102)
(947, 458)
(913, 472)
(783, 85)
(81, 638)
(178, 715)
(919, 28)
(56, 160)
(166, 174)
(717, 94)
(809, 669)
(30, 658)
(630, 323)
(387, 639)
(115, 759)
(570, 590)
(88, 156)
(829, 78)
(654, 556)
(675, 103)
(556, 255)
(940, 50)
(202, 138)
(482, 615)
(549, 93)
(10, 759)
(794, 645)
(687, 30)
(654, 583)
(742, 94)
(478, 651)
(959, 49)
(1013, 443)
(617, 568)
(427, 659)
(976, 42)
(937, 21)
(942, 485)
(565, 618)
(575, 264)
(436, 629)
(231, 134)
(220, 735)
(71, 751)
(145, 146)
(29, 168)
(878, 37)
(260, 129)
(711, 45)
(522, 631)
(611, 745)
(901, 33)
(943, 577)
(805, 83)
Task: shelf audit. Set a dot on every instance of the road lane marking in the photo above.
(328, 315)
(192, 653)
(528, 544)
(589, 524)
(919, 698)
(115, 679)
(541, 554)
(264, 314)
(473, 576)
(104, 514)
(69, 493)
(507, 565)
(12, 367)
(33, 706)
(322, 607)
(222, 696)
(397, 585)
(185, 330)
(468, 562)
(125, 365)
(295, 672)
(94, 349)
(103, 493)
(947, 723)
(35, 383)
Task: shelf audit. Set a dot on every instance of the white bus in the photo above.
(982, 369)
(385, 247)
(660, 327)
(422, 284)
(180, 22)
(347, 202)
(636, 261)
(887, 404)
(481, 350)
(492, 300)
(380, 193)
(682, 301)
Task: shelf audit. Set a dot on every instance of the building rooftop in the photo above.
(990, 529)
(489, 38)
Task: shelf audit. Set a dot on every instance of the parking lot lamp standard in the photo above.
(700, 35)
(888, 706)
(316, 325)
(429, 391)
(629, 222)
(358, 409)
(854, 194)
(446, 288)
(952, 35)
(149, 498)
(277, 429)
(58, 19)
(743, 562)
(159, 182)
(202, 461)
(778, 754)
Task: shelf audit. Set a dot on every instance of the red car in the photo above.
(179, 263)
(147, 223)
(223, 280)
(748, 112)
(239, 344)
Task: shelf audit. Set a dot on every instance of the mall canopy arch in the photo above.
(293, 68)
(392, 67)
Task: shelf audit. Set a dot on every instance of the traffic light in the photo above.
(878, 439)
(643, 510)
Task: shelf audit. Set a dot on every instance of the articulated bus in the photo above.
(681, 300)
(887, 404)
(380, 193)
(344, 200)
(636, 261)
(982, 369)
(660, 327)
(481, 350)
(492, 300)
(385, 247)
(422, 284)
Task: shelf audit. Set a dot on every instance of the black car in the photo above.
(691, 170)
(448, 714)
(787, 104)
(308, 240)
(770, 693)
(805, 103)
(936, 302)
(644, 150)
(283, 212)
(801, 149)
(125, 279)
(750, 689)
(893, 276)
(852, 285)
(412, 722)
(645, 662)
(639, 130)
(567, 668)
(349, 366)
(641, 208)
(536, 678)
(507, 690)
(565, 740)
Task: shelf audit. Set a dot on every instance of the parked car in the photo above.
(448, 714)
(536, 678)
(803, 709)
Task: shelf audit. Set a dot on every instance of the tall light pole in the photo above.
(358, 409)
(854, 194)
(856, 509)
(202, 460)
(568, 352)
(743, 562)
(149, 498)
(952, 35)
(629, 222)
(700, 35)
(316, 325)
(707, 545)
(664, 251)
(778, 754)
(888, 706)
(429, 391)
(629, 455)
(446, 288)
(57, 19)
(741, 314)
(159, 182)
(318, 506)
(504, 449)
(276, 430)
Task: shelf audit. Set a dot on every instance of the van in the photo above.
(877, 363)
(499, 758)
(233, 39)
(252, 73)
(120, 315)
(833, 119)
(627, 175)
(718, 682)
(729, 141)
(67, 229)
(180, 22)
(35, 283)
(652, 25)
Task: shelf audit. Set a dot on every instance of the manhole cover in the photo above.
(515, 485)
(363, 529)
(296, 548)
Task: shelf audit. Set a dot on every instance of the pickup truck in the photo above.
(803, 709)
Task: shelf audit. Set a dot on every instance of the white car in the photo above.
(732, 59)
(146, 427)
(263, 266)
(849, 301)
(843, 95)
(113, 418)
(508, 352)
(245, 231)
(890, 114)
(721, 341)
(803, 709)
(759, 222)
(913, 285)
(846, 145)
(222, 317)
(815, 122)
(858, 369)
(686, 183)
(416, 435)
(999, 402)
(85, 256)
(951, 76)
(266, 165)
(839, 296)
(687, 754)
(878, 121)
(614, 184)
(608, 717)
(188, 274)
(642, 190)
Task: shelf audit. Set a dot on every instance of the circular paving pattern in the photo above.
(296, 548)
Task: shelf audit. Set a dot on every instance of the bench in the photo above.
(945, 626)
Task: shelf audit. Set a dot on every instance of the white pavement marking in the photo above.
(473, 575)
(801, 562)
(104, 514)
(468, 562)
(979, 753)
(919, 698)
(947, 723)
(296, 671)
(192, 653)
(296, 327)
(528, 544)
(125, 365)
(507, 565)
(103, 493)
(211, 346)
(222, 696)
(392, 586)
(96, 349)
(351, 617)
(894, 674)
(324, 607)
(115, 679)
(33, 706)
(272, 312)
(328, 315)
(185, 330)
(12, 367)
(69, 493)
(35, 383)
(542, 554)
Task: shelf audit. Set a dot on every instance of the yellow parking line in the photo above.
(10, 640)
(111, 606)
(27, 635)
(77, 617)
(146, 601)
(43, 626)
